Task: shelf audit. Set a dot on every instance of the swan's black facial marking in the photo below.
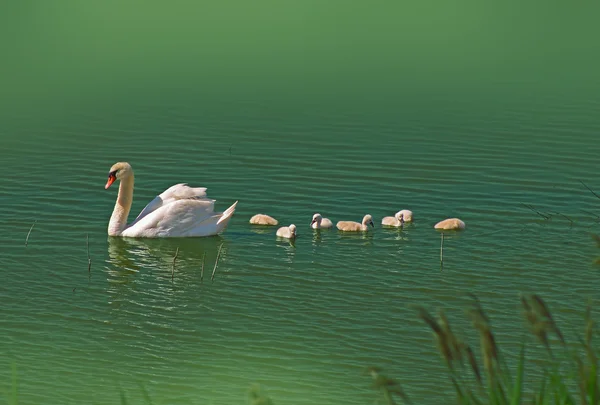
(112, 176)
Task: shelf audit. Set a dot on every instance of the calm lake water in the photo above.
(302, 320)
(339, 138)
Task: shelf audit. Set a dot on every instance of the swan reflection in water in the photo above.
(129, 256)
(289, 245)
(365, 236)
(263, 229)
(316, 237)
(317, 234)
(398, 233)
(139, 275)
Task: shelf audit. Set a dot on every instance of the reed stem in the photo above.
(442, 252)
(216, 263)
(87, 241)
(28, 233)
(173, 269)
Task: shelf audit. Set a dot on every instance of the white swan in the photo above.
(180, 211)
(288, 232)
(350, 226)
(262, 219)
(319, 222)
(450, 224)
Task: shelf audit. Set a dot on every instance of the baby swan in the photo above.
(288, 232)
(450, 224)
(319, 222)
(350, 226)
(396, 220)
(262, 219)
(407, 215)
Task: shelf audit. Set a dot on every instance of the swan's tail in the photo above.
(227, 214)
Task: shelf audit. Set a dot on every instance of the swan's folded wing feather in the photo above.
(150, 207)
(177, 216)
(348, 226)
(182, 191)
(174, 193)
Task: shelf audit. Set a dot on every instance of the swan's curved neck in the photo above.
(118, 219)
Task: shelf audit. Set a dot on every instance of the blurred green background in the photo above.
(75, 52)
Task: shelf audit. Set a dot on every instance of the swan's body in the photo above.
(450, 224)
(319, 222)
(350, 226)
(179, 211)
(288, 232)
(262, 219)
(398, 219)
(406, 214)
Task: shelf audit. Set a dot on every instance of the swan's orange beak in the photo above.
(111, 180)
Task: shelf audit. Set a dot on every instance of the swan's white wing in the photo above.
(174, 193)
(175, 218)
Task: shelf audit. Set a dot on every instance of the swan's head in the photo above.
(292, 230)
(316, 218)
(368, 220)
(118, 171)
(399, 216)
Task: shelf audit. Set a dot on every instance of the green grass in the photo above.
(494, 384)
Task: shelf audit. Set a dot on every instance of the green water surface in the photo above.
(292, 108)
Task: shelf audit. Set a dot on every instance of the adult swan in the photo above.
(180, 211)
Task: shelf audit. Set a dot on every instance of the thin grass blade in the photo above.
(459, 393)
(145, 394)
(122, 395)
(561, 392)
(474, 399)
(15, 389)
(518, 385)
(542, 394)
(593, 385)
